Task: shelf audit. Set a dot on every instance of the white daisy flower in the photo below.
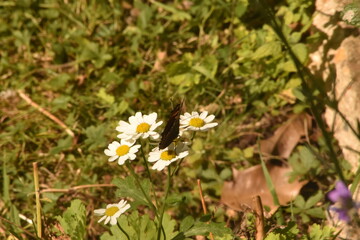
(167, 155)
(122, 151)
(196, 122)
(112, 212)
(140, 126)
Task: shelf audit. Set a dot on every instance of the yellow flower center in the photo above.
(122, 150)
(167, 155)
(143, 127)
(196, 122)
(111, 211)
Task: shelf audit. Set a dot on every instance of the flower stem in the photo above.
(152, 206)
(145, 162)
(149, 174)
(193, 136)
(160, 227)
(177, 167)
(127, 236)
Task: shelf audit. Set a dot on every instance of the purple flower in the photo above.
(342, 196)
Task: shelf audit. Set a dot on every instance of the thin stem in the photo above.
(37, 198)
(193, 136)
(177, 167)
(160, 227)
(149, 174)
(179, 163)
(279, 214)
(145, 162)
(141, 188)
(203, 205)
(127, 236)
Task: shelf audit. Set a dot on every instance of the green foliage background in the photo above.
(93, 63)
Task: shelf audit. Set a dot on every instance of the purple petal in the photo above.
(341, 214)
(344, 216)
(341, 192)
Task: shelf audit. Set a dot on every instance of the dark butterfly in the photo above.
(171, 131)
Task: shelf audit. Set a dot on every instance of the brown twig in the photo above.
(259, 218)
(64, 190)
(45, 112)
(203, 203)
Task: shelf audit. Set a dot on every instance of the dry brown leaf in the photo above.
(251, 182)
(287, 136)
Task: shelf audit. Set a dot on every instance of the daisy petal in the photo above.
(209, 118)
(101, 219)
(113, 158)
(99, 211)
(203, 114)
(108, 152)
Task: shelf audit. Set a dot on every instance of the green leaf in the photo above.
(299, 202)
(289, 232)
(131, 225)
(208, 67)
(169, 227)
(288, 17)
(95, 137)
(144, 227)
(117, 109)
(287, 66)
(314, 199)
(186, 223)
(210, 173)
(274, 236)
(248, 152)
(315, 212)
(299, 94)
(268, 49)
(61, 102)
(73, 220)
(185, 79)
(90, 50)
(14, 214)
(226, 173)
(301, 52)
(122, 106)
(140, 227)
(307, 158)
(303, 161)
(106, 97)
(112, 77)
(295, 37)
(177, 15)
(318, 233)
(241, 7)
(62, 145)
(59, 81)
(128, 187)
(204, 229)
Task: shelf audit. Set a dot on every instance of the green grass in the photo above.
(91, 64)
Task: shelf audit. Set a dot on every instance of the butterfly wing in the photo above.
(171, 131)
